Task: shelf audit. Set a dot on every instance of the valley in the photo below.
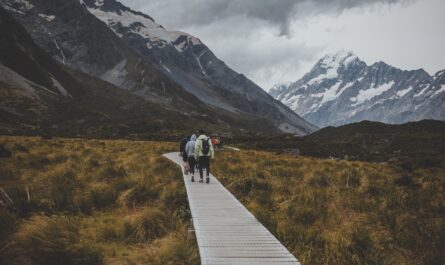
(344, 166)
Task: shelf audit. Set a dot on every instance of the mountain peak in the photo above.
(341, 89)
(341, 57)
(123, 21)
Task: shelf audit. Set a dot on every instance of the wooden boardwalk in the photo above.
(227, 233)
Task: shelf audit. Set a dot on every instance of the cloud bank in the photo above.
(273, 41)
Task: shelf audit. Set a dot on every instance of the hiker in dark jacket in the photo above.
(182, 152)
(203, 153)
(182, 145)
(190, 150)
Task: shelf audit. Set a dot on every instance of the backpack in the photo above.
(205, 146)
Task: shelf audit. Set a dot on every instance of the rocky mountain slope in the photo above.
(38, 95)
(342, 89)
(109, 41)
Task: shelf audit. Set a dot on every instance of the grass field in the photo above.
(76, 201)
(342, 212)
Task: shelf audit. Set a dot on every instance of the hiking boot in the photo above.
(207, 180)
(193, 178)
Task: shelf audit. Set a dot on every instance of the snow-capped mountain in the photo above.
(193, 65)
(342, 89)
(129, 49)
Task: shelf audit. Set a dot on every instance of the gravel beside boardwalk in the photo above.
(227, 233)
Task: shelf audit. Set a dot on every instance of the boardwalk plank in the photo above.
(226, 232)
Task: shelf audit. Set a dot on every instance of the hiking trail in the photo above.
(226, 232)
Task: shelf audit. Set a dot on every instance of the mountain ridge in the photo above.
(72, 32)
(42, 96)
(189, 62)
(342, 89)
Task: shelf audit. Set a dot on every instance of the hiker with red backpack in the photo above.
(203, 154)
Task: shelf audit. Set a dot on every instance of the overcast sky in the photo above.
(274, 41)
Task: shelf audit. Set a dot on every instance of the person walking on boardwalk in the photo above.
(183, 153)
(203, 153)
(182, 145)
(190, 151)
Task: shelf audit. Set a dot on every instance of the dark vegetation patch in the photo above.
(410, 146)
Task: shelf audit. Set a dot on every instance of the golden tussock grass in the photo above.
(77, 201)
(341, 212)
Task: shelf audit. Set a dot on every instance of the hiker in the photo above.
(203, 153)
(190, 150)
(182, 152)
(182, 145)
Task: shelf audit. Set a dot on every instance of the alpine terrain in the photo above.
(171, 70)
(342, 89)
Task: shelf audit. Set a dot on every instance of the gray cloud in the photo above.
(278, 13)
(273, 41)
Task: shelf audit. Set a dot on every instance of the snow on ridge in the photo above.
(370, 93)
(59, 87)
(331, 73)
(99, 3)
(10, 5)
(440, 90)
(143, 26)
(198, 59)
(421, 92)
(292, 101)
(331, 63)
(340, 58)
(23, 3)
(49, 18)
(329, 94)
(166, 68)
(346, 86)
(403, 92)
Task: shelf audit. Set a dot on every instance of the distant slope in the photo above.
(342, 89)
(414, 143)
(375, 141)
